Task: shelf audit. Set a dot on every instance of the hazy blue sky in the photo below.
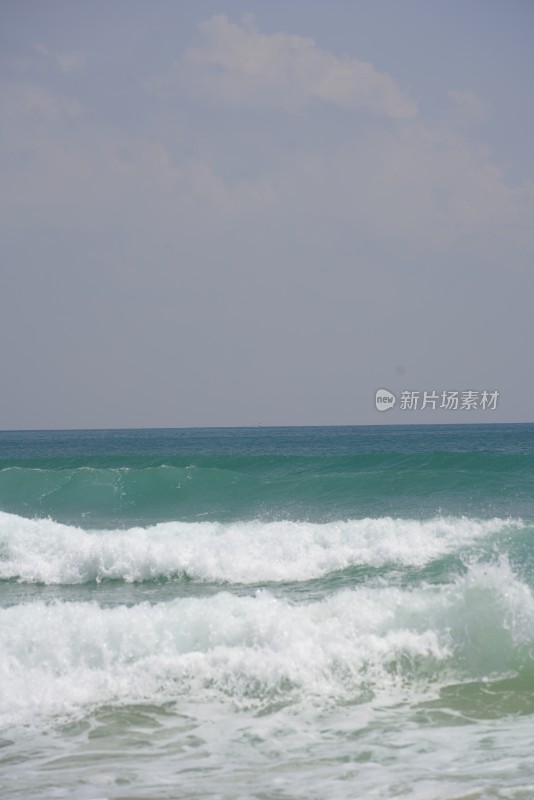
(240, 212)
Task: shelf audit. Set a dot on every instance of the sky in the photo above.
(238, 213)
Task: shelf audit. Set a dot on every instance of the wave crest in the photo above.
(49, 552)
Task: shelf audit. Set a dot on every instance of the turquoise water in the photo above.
(267, 613)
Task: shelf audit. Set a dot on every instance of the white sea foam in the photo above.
(260, 651)
(45, 551)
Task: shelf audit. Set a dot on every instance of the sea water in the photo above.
(267, 613)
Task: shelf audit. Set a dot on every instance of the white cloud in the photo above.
(468, 107)
(66, 62)
(236, 66)
(420, 187)
(20, 99)
(412, 191)
(423, 187)
(83, 181)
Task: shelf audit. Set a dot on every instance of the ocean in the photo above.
(267, 613)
